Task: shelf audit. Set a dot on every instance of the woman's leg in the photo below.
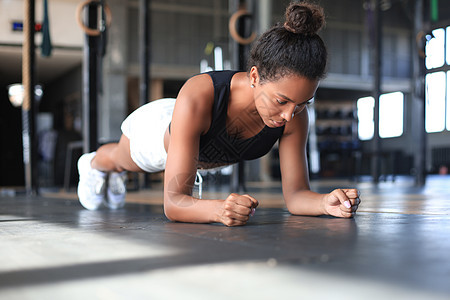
(115, 157)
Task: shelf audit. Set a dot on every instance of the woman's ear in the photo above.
(254, 75)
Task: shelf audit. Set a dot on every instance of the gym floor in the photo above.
(397, 247)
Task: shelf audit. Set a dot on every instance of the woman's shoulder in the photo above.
(197, 90)
(194, 102)
(200, 83)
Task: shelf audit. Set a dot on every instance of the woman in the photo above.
(221, 118)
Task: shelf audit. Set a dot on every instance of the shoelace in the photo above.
(116, 184)
(99, 186)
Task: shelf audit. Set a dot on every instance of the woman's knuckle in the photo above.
(239, 223)
(228, 222)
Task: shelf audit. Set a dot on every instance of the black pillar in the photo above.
(240, 57)
(90, 83)
(144, 51)
(377, 75)
(419, 134)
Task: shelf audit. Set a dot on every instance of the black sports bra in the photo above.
(217, 146)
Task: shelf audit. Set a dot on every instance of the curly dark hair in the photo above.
(293, 47)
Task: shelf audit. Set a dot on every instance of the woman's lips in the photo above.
(278, 124)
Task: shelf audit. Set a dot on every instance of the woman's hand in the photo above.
(237, 209)
(341, 203)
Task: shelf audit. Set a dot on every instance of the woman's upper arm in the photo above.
(191, 118)
(292, 150)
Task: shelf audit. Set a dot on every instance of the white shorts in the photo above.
(145, 128)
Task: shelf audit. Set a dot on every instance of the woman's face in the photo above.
(279, 101)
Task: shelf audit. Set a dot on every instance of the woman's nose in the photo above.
(288, 114)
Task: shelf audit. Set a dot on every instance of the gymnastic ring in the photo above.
(87, 30)
(420, 35)
(232, 27)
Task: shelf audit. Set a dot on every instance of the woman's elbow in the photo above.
(289, 203)
(169, 214)
(290, 208)
(169, 210)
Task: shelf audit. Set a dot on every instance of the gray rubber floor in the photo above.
(54, 249)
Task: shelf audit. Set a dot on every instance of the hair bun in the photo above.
(304, 18)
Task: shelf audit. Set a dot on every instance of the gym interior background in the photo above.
(396, 247)
(185, 33)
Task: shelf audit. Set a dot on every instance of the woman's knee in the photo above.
(104, 159)
(115, 157)
(122, 156)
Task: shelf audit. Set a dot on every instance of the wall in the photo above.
(64, 29)
(180, 31)
(182, 28)
(112, 104)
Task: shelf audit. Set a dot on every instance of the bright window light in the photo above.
(448, 46)
(435, 102)
(435, 49)
(391, 115)
(365, 107)
(448, 99)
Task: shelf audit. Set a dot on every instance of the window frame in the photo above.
(445, 68)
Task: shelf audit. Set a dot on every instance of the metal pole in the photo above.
(90, 82)
(419, 98)
(240, 60)
(376, 143)
(233, 6)
(28, 106)
(144, 52)
(264, 15)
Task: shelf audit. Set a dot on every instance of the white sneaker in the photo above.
(116, 190)
(91, 187)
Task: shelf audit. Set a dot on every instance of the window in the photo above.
(365, 108)
(437, 82)
(435, 102)
(390, 118)
(448, 43)
(448, 98)
(435, 49)
(437, 95)
(391, 115)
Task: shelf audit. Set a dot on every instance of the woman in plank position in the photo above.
(220, 118)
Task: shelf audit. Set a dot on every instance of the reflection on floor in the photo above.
(397, 247)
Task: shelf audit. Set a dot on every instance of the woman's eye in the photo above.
(281, 101)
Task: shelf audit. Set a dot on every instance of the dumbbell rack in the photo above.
(336, 131)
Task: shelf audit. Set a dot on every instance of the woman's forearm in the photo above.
(184, 208)
(305, 202)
